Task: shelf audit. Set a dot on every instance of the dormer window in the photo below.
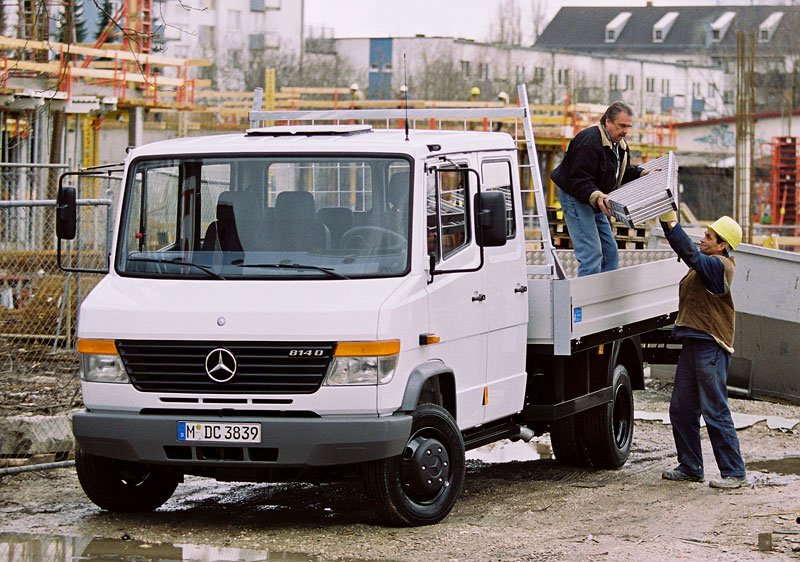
(720, 27)
(769, 26)
(663, 25)
(614, 27)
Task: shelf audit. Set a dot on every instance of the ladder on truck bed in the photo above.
(535, 222)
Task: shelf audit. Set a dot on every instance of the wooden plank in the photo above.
(141, 58)
(55, 69)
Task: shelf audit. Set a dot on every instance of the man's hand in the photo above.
(669, 217)
(602, 204)
(599, 200)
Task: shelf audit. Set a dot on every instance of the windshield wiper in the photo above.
(326, 270)
(180, 261)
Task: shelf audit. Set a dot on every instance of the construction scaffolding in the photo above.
(784, 192)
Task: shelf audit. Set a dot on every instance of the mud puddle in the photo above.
(787, 466)
(54, 548)
(510, 451)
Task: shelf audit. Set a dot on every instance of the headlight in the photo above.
(100, 362)
(363, 363)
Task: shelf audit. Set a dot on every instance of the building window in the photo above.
(697, 89)
(256, 42)
(727, 97)
(628, 82)
(465, 68)
(257, 6)
(538, 74)
(650, 85)
(206, 35)
(658, 36)
(563, 76)
(613, 82)
(483, 71)
(610, 35)
(520, 74)
(235, 20)
(664, 87)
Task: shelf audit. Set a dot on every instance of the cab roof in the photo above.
(331, 138)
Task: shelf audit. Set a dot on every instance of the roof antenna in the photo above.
(405, 93)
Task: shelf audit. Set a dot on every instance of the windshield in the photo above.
(266, 217)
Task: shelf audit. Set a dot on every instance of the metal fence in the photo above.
(38, 304)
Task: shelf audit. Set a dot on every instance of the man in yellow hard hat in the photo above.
(705, 327)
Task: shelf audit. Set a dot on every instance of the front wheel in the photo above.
(609, 428)
(123, 486)
(421, 485)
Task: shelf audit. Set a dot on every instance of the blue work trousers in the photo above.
(592, 239)
(701, 388)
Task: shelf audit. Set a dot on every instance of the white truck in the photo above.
(330, 299)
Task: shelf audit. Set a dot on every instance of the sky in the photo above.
(470, 19)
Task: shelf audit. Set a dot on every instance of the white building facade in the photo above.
(230, 33)
(553, 77)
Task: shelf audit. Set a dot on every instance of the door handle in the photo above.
(521, 289)
(478, 297)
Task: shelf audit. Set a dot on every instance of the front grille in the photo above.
(262, 367)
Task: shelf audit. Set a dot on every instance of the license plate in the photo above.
(215, 431)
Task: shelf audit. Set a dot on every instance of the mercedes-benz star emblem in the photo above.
(220, 365)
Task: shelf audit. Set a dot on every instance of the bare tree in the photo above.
(245, 70)
(507, 27)
(439, 77)
(538, 15)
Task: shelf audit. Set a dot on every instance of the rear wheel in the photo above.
(567, 441)
(609, 428)
(123, 486)
(421, 485)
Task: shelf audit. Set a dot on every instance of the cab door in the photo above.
(456, 301)
(505, 285)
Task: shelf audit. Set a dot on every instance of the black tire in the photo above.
(609, 428)
(567, 441)
(402, 488)
(123, 486)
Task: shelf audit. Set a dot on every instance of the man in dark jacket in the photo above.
(596, 163)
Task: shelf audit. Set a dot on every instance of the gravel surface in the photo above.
(523, 510)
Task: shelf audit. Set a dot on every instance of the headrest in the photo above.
(295, 204)
(398, 190)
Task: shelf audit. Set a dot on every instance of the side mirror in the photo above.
(490, 218)
(66, 213)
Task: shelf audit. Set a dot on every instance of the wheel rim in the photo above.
(425, 468)
(131, 475)
(622, 416)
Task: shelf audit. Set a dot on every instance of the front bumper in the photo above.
(285, 442)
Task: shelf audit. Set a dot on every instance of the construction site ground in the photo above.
(518, 504)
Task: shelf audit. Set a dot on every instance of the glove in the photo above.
(669, 217)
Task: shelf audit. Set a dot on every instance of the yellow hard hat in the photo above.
(475, 91)
(729, 230)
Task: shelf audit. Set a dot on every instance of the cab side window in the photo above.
(448, 212)
(497, 177)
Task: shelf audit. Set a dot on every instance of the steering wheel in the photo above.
(373, 238)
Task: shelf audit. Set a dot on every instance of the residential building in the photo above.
(447, 68)
(697, 36)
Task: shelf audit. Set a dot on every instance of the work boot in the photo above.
(680, 476)
(729, 482)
